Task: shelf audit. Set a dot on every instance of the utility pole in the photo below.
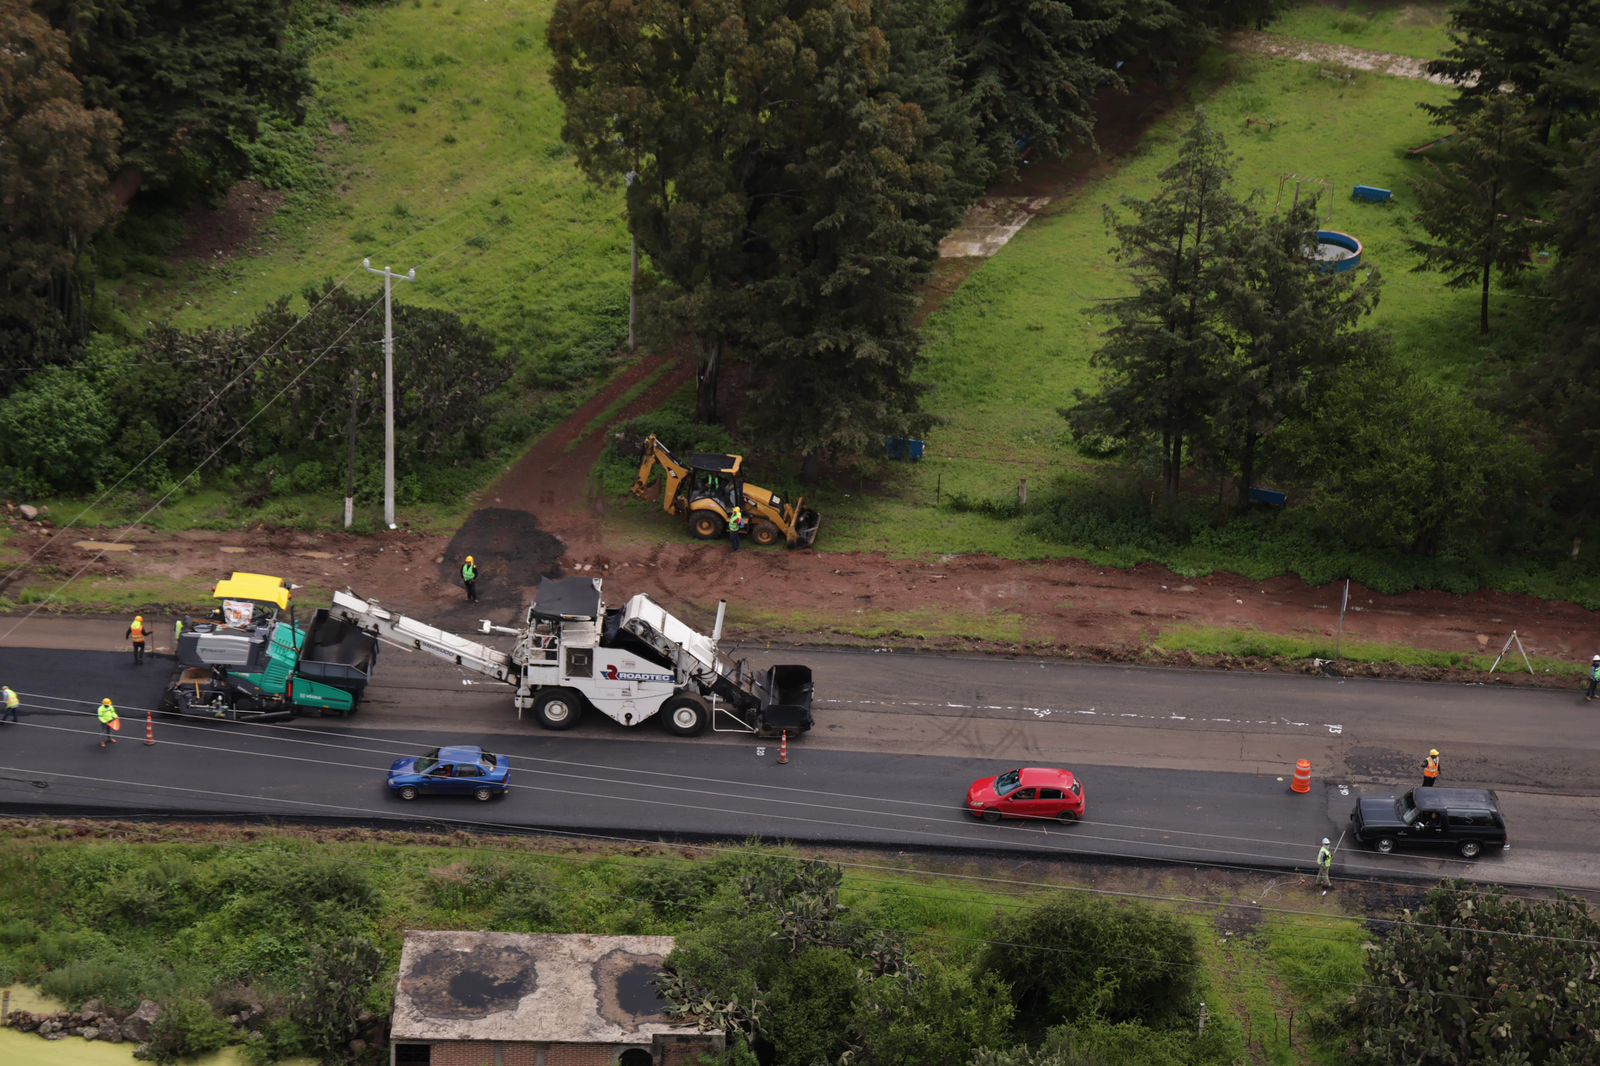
(389, 278)
(350, 477)
(633, 281)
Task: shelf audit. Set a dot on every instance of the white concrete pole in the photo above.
(389, 277)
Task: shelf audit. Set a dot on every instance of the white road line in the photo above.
(1089, 712)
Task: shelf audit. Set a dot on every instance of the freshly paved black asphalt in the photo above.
(599, 782)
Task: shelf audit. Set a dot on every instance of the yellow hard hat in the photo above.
(106, 701)
(1434, 753)
(469, 558)
(138, 618)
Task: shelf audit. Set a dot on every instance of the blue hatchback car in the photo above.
(453, 771)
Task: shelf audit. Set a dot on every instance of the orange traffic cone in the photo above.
(783, 749)
(1302, 777)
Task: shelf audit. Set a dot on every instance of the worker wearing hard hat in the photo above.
(135, 633)
(1594, 676)
(1430, 769)
(108, 722)
(1325, 866)
(469, 578)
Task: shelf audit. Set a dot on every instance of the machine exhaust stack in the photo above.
(716, 630)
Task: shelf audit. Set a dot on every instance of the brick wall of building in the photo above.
(668, 1051)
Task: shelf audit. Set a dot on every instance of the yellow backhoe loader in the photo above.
(704, 490)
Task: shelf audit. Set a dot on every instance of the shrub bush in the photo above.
(187, 1028)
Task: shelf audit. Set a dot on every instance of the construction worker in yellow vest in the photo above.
(11, 702)
(1325, 866)
(108, 715)
(135, 633)
(1430, 769)
(177, 635)
(469, 578)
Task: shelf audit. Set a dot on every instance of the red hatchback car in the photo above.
(1029, 793)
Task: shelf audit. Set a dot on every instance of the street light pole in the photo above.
(389, 278)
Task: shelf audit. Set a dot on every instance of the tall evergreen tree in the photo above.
(1289, 326)
(684, 96)
(1563, 391)
(191, 80)
(1542, 49)
(853, 219)
(55, 155)
(1033, 67)
(1161, 360)
(1478, 204)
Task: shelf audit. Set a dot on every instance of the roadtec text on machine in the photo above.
(630, 663)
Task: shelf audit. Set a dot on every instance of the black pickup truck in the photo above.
(1466, 819)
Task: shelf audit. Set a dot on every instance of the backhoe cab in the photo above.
(705, 490)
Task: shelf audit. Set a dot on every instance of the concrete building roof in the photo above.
(569, 989)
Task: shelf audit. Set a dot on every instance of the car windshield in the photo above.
(487, 761)
(1406, 810)
(1007, 783)
(426, 762)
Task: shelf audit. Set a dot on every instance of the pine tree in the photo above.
(1478, 204)
(54, 157)
(1543, 50)
(1289, 327)
(1161, 362)
(1031, 67)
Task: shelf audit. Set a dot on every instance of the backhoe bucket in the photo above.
(806, 523)
(788, 692)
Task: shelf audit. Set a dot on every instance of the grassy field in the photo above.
(1417, 29)
(439, 135)
(1301, 648)
(1010, 347)
(203, 920)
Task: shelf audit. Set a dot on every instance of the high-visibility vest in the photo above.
(108, 714)
(177, 631)
(1431, 769)
(136, 631)
(469, 572)
(1594, 673)
(11, 697)
(1324, 856)
(737, 522)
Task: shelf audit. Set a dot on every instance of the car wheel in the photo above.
(991, 816)
(707, 525)
(764, 533)
(407, 793)
(483, 795)
(1067, 817)
(1469, 849)
(1384, 844)
(683, 716)
(557, 709)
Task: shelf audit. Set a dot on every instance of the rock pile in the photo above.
(91, 1021)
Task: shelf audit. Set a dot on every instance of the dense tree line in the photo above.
(100, 98)
(791, 166)
(277, 416)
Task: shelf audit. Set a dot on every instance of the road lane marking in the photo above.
(1091, 712)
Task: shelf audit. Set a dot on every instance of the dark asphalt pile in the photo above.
(512, 554)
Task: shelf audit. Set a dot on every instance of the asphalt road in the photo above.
(1178, 766)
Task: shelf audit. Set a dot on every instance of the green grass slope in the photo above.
(1417, 29)
(439, 141)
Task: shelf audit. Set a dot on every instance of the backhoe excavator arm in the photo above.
(656, 453)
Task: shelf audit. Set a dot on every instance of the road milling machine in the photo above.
(631, 663)
(704, 491)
